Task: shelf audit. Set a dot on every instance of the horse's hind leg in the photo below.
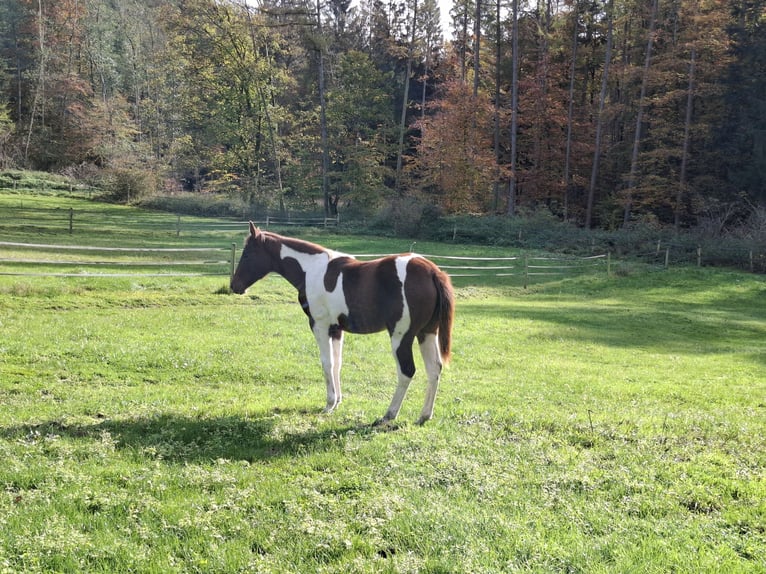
(405, 368)
(429, 349)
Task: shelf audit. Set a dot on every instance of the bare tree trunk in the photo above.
(464, 44)
(685, 153)
(570, 111)
(640, 116)
(39, 98)
(498, 54)
(476, 48)
(538, 167)
(425, 80)
(323, 119)
(600, 118)
(403, 120)
(514, 109)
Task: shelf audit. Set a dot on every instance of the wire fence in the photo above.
(670, 253)
(73, 220)
(219, 258)
(51, 260)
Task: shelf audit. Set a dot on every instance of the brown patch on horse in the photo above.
(335, 267)
(424, 283)
(374, 299)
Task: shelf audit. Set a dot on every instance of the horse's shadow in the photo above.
(180, 438)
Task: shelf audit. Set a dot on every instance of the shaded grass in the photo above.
(587, 425)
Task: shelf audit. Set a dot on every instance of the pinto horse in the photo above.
(407, 295)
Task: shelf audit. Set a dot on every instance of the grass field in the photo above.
(593, 424)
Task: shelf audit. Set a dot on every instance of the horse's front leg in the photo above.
(330, 349)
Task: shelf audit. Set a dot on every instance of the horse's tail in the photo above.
(446, 312)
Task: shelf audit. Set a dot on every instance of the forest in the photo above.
(601, 113)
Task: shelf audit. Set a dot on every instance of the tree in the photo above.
(455, 158)
(358, 104)
(512, 186)
(405, 98)
(632, 177)
(600, 116)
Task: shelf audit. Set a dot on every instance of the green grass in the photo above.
(593, 424)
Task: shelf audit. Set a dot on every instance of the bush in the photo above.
(204, 205)
(128, 185)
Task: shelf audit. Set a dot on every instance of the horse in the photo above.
(407, 295)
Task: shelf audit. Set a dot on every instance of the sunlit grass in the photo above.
(593, 424)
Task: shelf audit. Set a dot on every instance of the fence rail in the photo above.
(73, 220)
(49, 258)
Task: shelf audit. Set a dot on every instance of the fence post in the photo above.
(659, 241)
(233, 258)
(608, 263)
(71, 220)
(178, 226)
(751, 261)
(699, 256)
(267, 222)
(667, 257)
(526, 270)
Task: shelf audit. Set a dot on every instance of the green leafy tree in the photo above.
(361, 124)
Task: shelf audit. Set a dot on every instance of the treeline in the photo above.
(602, 112)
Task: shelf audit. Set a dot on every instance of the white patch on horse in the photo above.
(403, 324)
(325, 306)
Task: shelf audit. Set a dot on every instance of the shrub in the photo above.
(128, 185)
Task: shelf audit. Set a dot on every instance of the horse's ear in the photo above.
(254, 231)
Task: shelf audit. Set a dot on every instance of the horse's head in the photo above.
(255, 262)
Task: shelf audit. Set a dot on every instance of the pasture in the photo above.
(586, 424)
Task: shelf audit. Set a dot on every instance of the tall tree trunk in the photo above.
(600, 117)
(323, 120)
(685, 152)
(39, 98)
(405, 101)
(464, 43)
(496, 112)
(425, 80)
(570, 111)
(476, 48)
(640, 116)
(541, 120)
(512, 187)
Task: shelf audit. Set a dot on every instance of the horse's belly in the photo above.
(361, 323)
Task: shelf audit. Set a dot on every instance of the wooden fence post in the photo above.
(608, 263)
(526, 270)
(699, 256)
(667, 257)
(71, 220)
(178, 226)
(233, 259)
(751, 261)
